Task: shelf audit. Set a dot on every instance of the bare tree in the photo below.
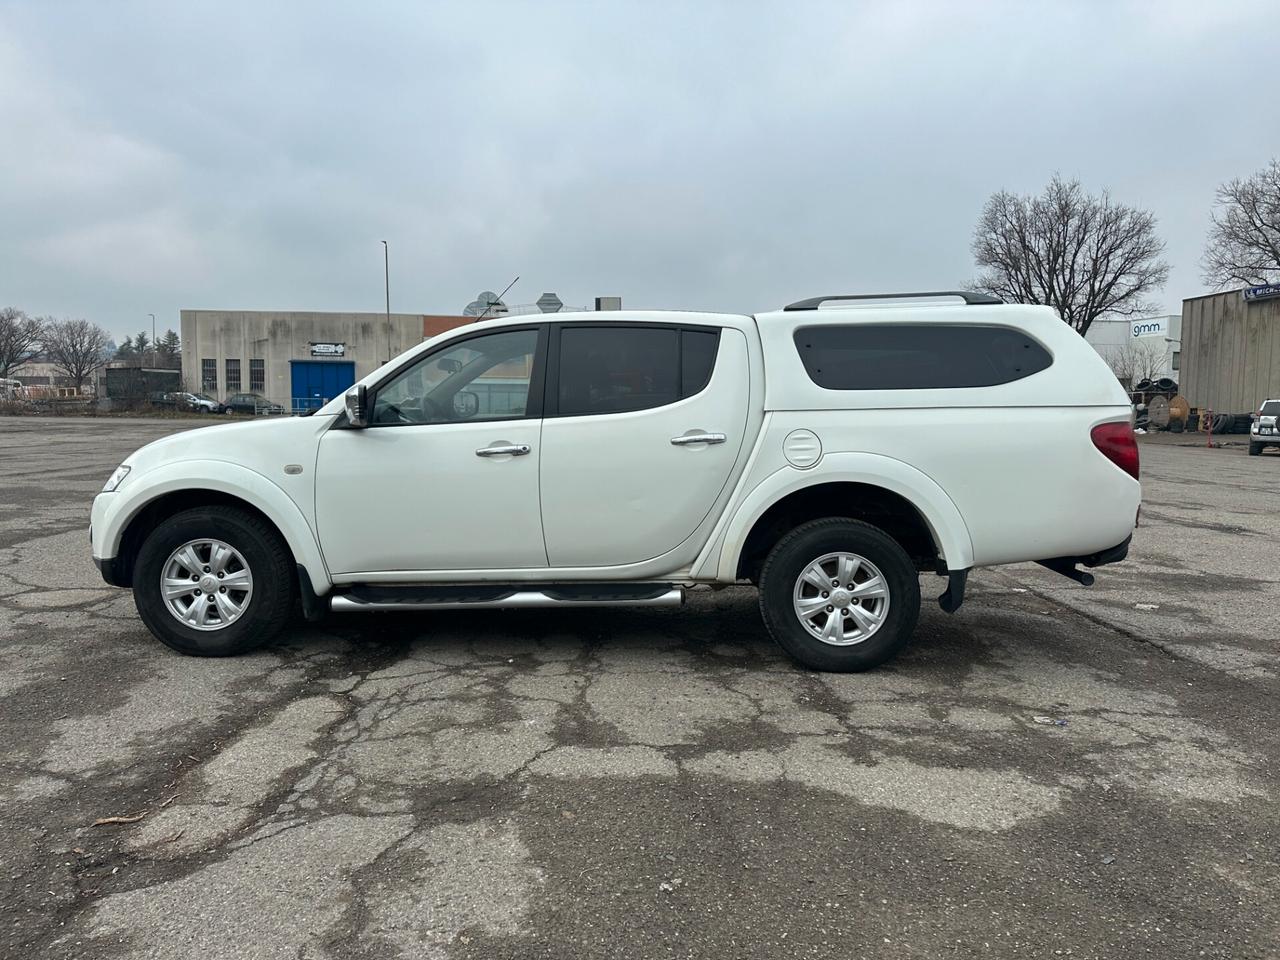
(75, 347)
(1139, 359)
(1085, 256)
(20, 339)
(1244, 241)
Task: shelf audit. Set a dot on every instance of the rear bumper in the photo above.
(1101, 558)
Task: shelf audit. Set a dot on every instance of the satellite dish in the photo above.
(486, 303)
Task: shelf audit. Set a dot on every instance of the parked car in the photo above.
(201, 403)
(1265, 431)
(251, 403)
(826, 454)
(163, 400)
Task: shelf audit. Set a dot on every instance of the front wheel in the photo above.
(213, 582)
(1255, 449)
(839, 595)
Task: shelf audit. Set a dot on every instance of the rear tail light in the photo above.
(1116, 442)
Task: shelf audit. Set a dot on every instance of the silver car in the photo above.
(1264, 432)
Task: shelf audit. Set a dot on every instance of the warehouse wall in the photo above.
(279, 337)
(1230, 352)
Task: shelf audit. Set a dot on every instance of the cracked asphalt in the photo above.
(649, 783)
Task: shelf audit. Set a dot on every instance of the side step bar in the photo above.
(467, 597)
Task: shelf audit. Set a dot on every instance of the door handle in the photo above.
(503, 450)
(689, 438)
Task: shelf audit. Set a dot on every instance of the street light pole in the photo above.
(153, 338)
(386, 276)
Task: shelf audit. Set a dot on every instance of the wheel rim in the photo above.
(206, 584)
(841, 599)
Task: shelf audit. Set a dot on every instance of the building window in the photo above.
(257, 375)
(1176, 356)
(209, 376)
(233, 376)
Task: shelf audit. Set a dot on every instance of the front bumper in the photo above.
(111, 570)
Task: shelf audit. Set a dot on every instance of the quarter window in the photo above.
(615, 369)
(481, 378)
(917, 356)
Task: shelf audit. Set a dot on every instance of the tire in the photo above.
(253, 616)
(781, 594)
(1255, 449)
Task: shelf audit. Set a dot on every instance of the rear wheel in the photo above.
(1255, 449)
(213, 582)
(839, 595)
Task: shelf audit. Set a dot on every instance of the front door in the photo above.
(445, 477)
(642, 428)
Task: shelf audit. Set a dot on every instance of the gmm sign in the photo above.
(1156, 326)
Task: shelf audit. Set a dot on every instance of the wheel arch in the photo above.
(129, 519)
(885, 492)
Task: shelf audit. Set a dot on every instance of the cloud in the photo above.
(714, 155)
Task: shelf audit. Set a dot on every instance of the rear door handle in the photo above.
(503, 450)
(689, 438)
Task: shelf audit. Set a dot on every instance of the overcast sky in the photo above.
(155, 156)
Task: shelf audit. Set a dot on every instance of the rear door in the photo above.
(642, 428)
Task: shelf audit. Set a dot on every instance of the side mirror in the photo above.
(357, 404)
(465, 404)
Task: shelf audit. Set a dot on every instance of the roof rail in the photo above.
(968, 296)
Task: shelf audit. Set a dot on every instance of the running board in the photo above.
(466, 597)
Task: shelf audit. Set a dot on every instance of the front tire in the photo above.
(1255, 449)
(869, 581)
(214, 582)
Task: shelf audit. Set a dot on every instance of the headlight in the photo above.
(115, 479)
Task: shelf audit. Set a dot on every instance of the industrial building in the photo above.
(300, 359)
(1139, 348)
(1231, 349)
(295, 359)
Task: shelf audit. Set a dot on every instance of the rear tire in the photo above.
(1255, 449)
(261, 563)
(869, 634)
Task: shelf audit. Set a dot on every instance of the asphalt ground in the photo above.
(649, 783)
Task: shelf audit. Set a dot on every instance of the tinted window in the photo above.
(697, 358)
(917, 357)
(1271, 408)
(481, 378)
(612, 369)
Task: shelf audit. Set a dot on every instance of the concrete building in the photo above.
(301, 359)
(293, 358)
(1148, 347)
(1231, 349)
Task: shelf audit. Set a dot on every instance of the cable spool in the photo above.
(1179, 409)
(1158, 411)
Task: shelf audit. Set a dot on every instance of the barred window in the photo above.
(209, 376)
(257, 375)
(233, 376)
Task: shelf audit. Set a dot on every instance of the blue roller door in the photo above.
(315, 382)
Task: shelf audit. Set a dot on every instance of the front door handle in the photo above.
(689, 438)
(503, 450)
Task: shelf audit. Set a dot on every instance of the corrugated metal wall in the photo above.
(1230, 352)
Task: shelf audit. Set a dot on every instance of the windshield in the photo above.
(1271, 408)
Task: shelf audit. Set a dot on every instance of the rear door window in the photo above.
(615, 368)
(917, 356)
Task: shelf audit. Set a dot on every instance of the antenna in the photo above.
(496, 300)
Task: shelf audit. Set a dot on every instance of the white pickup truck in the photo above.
(828, 452)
